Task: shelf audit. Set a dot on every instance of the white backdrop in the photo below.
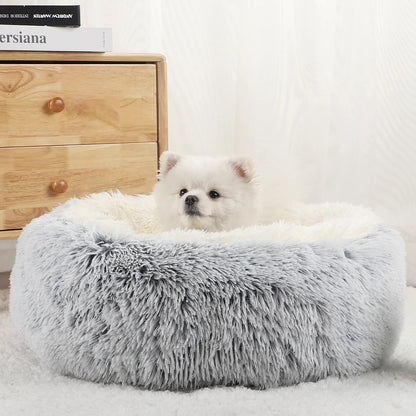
(330, 82)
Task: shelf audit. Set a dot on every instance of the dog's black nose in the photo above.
(191, 200)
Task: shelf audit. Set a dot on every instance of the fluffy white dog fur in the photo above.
(206, 193)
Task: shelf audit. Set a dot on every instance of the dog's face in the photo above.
(205, 193)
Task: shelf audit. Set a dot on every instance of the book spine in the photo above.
(40, 15)
(53, 39)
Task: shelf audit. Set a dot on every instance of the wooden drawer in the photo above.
(111, 103)
(109, 134)
(26, 175)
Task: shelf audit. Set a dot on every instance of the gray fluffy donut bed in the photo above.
(98, 292)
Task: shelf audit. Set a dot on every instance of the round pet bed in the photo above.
(98, 292)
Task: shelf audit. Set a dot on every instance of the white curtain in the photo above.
(329, 82)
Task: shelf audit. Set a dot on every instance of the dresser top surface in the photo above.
(6, 56)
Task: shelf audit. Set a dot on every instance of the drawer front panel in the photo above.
(27, 175)
(103, 103)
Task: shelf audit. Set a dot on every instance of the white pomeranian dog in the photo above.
(216, 194)
(206, 193)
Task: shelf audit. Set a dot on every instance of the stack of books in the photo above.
(49, 28)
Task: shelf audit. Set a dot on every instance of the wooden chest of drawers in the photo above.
(73, 124)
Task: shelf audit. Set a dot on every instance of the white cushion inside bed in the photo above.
(123, 215)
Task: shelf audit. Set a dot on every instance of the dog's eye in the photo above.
(183, 192)
(214, 194)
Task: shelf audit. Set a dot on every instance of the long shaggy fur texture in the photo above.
(164, 312)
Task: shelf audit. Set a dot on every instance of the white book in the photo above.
(52, 39)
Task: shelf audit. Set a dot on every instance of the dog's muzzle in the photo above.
(191, 205)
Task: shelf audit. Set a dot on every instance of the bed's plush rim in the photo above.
(126, 216)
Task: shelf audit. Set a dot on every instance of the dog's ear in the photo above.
(167, 161)
(243, 167)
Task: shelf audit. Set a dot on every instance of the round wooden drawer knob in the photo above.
(56, 104)
(59, 187)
